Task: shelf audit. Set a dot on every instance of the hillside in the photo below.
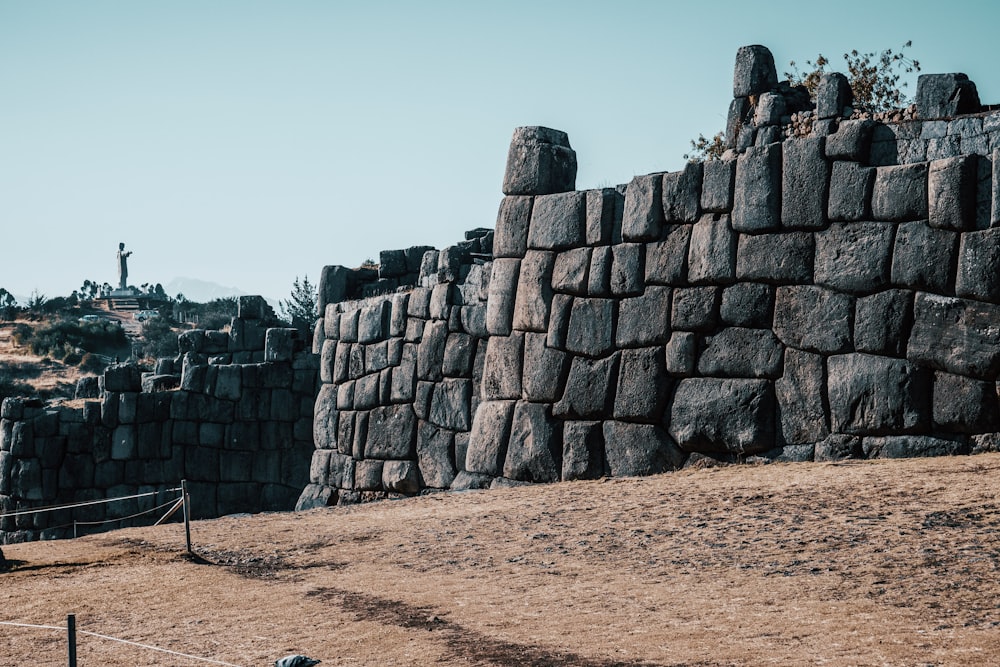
(868, 562)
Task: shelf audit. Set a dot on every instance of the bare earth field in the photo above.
(870, 563)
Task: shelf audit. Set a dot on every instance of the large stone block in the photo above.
(557, 221)
(801, 398)
(854, 257)
(740, 352)
(401, 477)
(911, 446)
(570, 271)
(562, 304)
(833, 94)
(965, 405)
(979, 266)
(851, 187)
(851, 141)
(502, 296)
(945, 96)
(680, 353)
(804, 183)
(747, 305)
(545, 370)
(539, 162)
(682, 193)
(627, 269)
(872, 395)
(430, 352)
(754, 72)
(599, 275)
(436, 455)
(644, 320)
(712, 415)
(488, 439)
(591, 327)
(589, 390)
(279, 344)
(882, 322)
(534, 292)
(450, 404)
(955, 335)
(813, 318)
(583, 450)
(123, 377)
(392, 433)
(605, 208)
(712, 251)
(757, 201)
(717, 185)
(502, 369)
(738, 118)
(951, 192)
(534, 452)
(332, 285)
(458, 354)
(643, 385)
(643, 213)
(639, 449)
(695, 308)
(900, 193)
(666, 260)
(325, 418)
(775, 258)
(924, 258)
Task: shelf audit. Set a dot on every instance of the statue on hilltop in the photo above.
(123, 267)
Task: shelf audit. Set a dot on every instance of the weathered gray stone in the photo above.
(591, 327)
(488, 440)
(725, 416)
(435, 456)
(599, 276)
(851, 141)
(502, 372)
(871, 395)
(583, 450)
(837, 447)
(739, 115)
(123, 377)
(368, 475)
(944, 147)
(332, 285)
(951, 191)
(534, 292)
(643, 213)
(392, 433)
(747, 305)
(570, 271)
(450, 404)
(854, 257)
(666, 260)
(800, 394)
(430, 351)
(589, 389)
(979, 266)
(754, 72)
(956, 336)
(512, 225)
(419, 303)
(392, 263)
(627, 269)
(911, 446)
(545, 370)
(682, 193)
(605, 208)
(404, 376)
(695, 308)
(712, 251)
(401, 477)
(900, 193)
(851, 187)
(562, 305)
(757, 200)
(717, 185)
(644, 320)
(279, 344)
(557, 221)
(349, 326)
(325, 418)
(775, 258)
(924, 258)
(813, 318)
(882, 322)
(503, 288)
(534, 453)
(770, 109)
(366, 392)
(833, 94)
(680, 353)
(740, 352)
(804, 183)
(458, 354)
(965, 405)
(442, 297)
(945, 96)
(539, 162)
(639, 449)
(643, 385)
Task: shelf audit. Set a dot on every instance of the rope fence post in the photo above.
(71, 638)
(187, 515)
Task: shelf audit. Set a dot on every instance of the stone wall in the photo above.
(830, 288)
(235, 421)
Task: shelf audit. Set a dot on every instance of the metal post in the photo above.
(187, 515)
(71, 637)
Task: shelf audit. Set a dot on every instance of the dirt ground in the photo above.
(857, 563)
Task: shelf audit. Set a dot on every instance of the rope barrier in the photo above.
(126, 518)
(52, 508)
(122, 641)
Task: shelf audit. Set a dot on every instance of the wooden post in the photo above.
(187, 515)
(71, 638)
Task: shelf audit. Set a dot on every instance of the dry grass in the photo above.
(881, 562)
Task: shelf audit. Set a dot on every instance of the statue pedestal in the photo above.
(122, 293)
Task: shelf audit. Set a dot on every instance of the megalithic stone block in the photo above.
(945, 96)
(757, 204)
(833, 94)
(332, 285)
(539, 162)
(682, 193)
(754, 72)
(951, 193)
(804, 184)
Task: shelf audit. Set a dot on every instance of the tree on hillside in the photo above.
(301, 309)
(8, 305)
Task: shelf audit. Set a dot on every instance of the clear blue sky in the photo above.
(247, 143)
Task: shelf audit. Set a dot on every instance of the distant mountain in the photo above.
(200, 291)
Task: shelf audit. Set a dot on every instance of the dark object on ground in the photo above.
(296, 661)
